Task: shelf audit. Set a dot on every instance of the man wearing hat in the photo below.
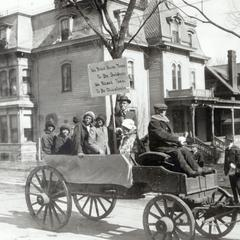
(47, 140)
(120, 115)
(232, 165)
(163, 139)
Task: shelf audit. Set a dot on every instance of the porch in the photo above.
(208, 119)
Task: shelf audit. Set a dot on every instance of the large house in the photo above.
(43, 73)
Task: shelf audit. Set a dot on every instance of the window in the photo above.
(176, 76)
(3, 37)
(12, 83)
(66, 77)
(131, 73)
(3, 33)
(9, 128)
(175, 36)
(179, 76)
(193, 79)
(3, 84)
(3, 129)
(14, 128)
(27, 127)
(26, 79)
(174, 82)
(65, 29)
(190, 39)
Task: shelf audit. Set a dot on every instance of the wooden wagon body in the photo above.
(95, 182)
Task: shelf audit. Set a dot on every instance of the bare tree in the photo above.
(116, 40)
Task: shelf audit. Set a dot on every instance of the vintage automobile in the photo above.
(95, 182)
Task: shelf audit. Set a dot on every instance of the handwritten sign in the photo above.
(109, 77)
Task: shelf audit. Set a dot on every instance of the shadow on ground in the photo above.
(78, 225)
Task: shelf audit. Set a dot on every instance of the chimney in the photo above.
(232, 69)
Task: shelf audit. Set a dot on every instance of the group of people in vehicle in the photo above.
(92, 136)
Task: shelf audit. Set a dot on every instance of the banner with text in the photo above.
(109, 77)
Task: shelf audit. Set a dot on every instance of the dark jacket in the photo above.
(232, 155)
(47, 142)
(161, 135)
(62, 145)
(84, 141)
(119, 117)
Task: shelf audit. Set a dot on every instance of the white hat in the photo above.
(129, 124)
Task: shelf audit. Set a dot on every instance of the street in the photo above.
(124, 223)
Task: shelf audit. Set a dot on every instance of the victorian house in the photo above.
(44, 72)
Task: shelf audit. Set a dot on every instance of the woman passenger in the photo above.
(85, 137)
(102, 133)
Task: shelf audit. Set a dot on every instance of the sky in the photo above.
(214, 42)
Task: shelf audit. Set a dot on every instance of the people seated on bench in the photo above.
(163, 139)
(62, 142)
(47, 140)
(232, 165)
(84, 136)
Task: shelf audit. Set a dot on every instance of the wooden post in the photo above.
(233, 124)
(212, 121)
(114, 125)
(193, 120)
(39, 150)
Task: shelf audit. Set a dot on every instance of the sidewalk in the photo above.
(15, 173)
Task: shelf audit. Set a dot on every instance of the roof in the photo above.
(222, 76)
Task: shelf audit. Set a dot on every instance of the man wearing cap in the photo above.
(232, 165)
(163, 139)
(47, 140)
(120, 115)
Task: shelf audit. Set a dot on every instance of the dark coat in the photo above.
(232, 155)
(84, 141)
(47, 142)
(119, 117)
(62, 145)
(161, 135)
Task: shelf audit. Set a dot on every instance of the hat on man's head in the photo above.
(123, 98)
(49, 124)
(161, 106)
(64, 127)
(89, 113)
(129, 124)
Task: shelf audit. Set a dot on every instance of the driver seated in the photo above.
(163, 139)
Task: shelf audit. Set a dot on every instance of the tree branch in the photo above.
(92, 26)
(109, 21)
(188, 15)
(125, 25)
(102, 19)
(210, 21)
(144, 22)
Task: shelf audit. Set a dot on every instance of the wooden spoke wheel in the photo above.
(167, 217)
(48, 198)
(94, 207)
(216, 221)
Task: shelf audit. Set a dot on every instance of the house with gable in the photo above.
(44, 72)
(202, 100)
